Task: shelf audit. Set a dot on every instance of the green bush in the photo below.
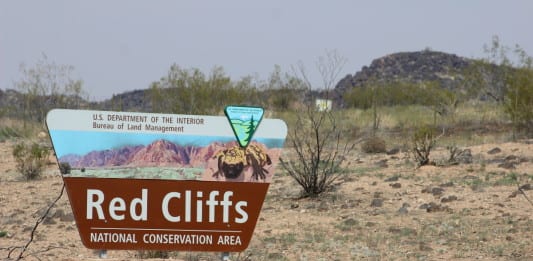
(519, 99)
(30, 159)
(397, 94)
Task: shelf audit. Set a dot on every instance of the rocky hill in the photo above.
(137, 100)
(411, 67)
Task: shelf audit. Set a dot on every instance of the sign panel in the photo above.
(164, 181)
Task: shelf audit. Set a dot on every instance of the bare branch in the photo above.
(37, 223)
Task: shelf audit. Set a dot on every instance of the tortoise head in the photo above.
(232, 171)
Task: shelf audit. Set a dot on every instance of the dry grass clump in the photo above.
(30, 159)
(374, 144)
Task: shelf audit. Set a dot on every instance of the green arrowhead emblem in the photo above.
(244, 121)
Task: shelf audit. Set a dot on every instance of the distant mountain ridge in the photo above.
(402, 66)
(158, 153)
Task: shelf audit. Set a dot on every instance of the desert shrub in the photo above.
(396, 93)
(316, 135)
(30, 159)
(374, 144)
(192, 91)
(64, 168)
(519, 100)
(318, 150)
(422, 142)
(458, 155)
(7, 133)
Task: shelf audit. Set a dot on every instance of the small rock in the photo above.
(58, 213)
(403, 211)
(393, 151)
(392, 179)
(275, 256)
(67, 218)
(511, 158)
(423, 247)
(526, 187)
(294, 205)
(424, 206)
(433, 207)
(350, 222)
(377, 202)
(436, 191)
(323, 206)
(494, 151)
(447, 184)
(382, 163)
(396, 185)
(406, 231)
(49, 221)
(370, 224)
(27, 228)
(448, 199)
(394, 230)
(507, 165)
(310, 206)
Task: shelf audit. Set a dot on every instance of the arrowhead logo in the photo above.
(244, 121)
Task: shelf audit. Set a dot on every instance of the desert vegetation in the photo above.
(440, 171)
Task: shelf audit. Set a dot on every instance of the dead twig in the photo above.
(45, 250)
(523, 193)
(37, 223)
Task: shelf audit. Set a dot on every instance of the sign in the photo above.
(166, 181)
(244, 121)
(323, 104)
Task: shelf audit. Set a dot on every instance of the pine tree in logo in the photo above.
(249, 129)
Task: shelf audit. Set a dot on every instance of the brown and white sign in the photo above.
(163, 181)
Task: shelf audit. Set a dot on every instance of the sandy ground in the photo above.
(382, 209)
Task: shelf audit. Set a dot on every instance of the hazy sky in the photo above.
(125, 45)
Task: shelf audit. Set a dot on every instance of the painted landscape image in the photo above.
(164, 159)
